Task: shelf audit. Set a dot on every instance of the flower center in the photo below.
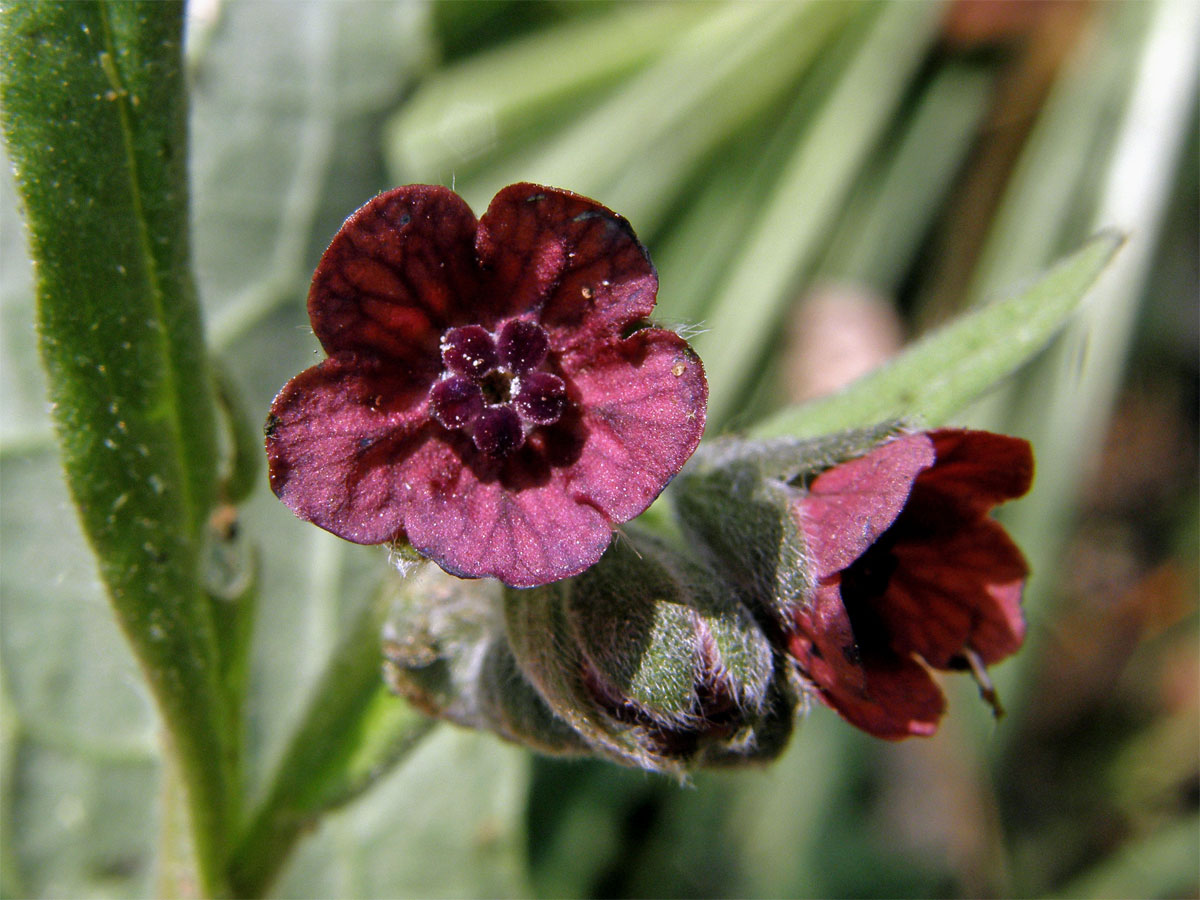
(864, 585)
(494, 387)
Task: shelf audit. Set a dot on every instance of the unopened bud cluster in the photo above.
(647, 659)
(803, 568)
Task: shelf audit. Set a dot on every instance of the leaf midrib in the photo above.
(168, 402)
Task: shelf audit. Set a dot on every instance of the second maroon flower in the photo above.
(910, 571)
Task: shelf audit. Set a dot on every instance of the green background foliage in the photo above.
(761, 151)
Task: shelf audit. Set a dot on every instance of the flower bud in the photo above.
(653, 661)
(446, 653)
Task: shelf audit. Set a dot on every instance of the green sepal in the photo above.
(518, 712)
(735, 500)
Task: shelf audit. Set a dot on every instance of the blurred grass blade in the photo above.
(353, 732)
(946, 370)
(791, 228)
(728, 195)
(1039, 217)
(1133, 195)
(768, 63)
(1066, 401)
(573, 158)
(440, 131)
(870, 246)
(94, 116)
(659, 124)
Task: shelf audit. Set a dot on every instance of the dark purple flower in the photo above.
(491, 393)
(910, 572)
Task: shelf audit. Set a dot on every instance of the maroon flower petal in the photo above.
(900, 700)
(477, 528)
(823, 642)
(333, 436)
(498, 432)
(975, 471)
(575, 263)
(398, 271)
(643, 402)
(954, 592)
(849, 506)
(883, 693)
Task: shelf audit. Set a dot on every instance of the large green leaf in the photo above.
(284, 115)
(352, 733)
(94, 117)
(284, 110)
(80, 733)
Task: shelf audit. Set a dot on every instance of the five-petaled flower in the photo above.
(909, 572)
(492, 393)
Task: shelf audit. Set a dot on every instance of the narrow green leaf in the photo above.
(94, 117)
(910, 180)
(352, 733)
(951, 367)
